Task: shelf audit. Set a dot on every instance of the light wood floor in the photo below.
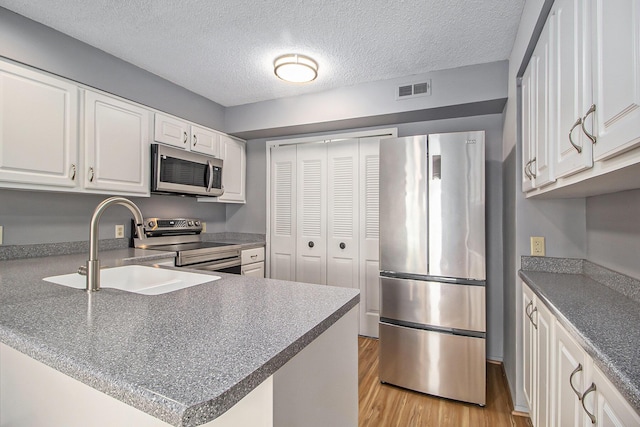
(382, 405)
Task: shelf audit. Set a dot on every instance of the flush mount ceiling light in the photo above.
(295, 68)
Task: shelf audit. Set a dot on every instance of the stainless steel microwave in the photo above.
(175, 171)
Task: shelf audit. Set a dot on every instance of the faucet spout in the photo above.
(93, 264)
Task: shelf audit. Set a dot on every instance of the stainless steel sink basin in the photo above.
(139, 279)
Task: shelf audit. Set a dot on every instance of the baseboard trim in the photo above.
(519, 414)
(514, 411)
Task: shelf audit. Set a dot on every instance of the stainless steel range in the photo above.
(183, 236)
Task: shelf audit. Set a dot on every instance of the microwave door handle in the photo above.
(210, 176)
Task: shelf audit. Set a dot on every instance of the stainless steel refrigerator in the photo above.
(432, 262)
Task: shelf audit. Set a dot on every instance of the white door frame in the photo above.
(386, 132)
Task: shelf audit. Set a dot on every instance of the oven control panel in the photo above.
(171, 226)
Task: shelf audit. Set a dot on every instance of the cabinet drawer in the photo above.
(252, 255)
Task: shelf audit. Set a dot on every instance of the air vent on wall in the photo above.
(414, 90)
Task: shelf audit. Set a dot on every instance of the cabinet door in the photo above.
(572, 85)
(38, 129)
(543, 326)
(617, 76)
(253, 270)
(609, 407)
(542, 166)
(205, 141)
(342, 214)
(116, 146)
(570, 372)
(283, 221)
(528, 351)
(369, 236)
(528, 125)
(311, 248)
(234, 170)
(170, 130)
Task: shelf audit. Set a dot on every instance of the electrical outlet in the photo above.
(537, 246)
(119, 231)
(204, 227)
(0, 234)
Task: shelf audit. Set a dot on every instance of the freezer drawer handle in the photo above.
(311, 243)
(584, 396)
(575, 371)
(342, 245)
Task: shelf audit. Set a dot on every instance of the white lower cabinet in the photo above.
(252, 262)
(562, 385)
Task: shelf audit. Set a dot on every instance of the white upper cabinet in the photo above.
(571, 86)
(38, 130)
(116, 137)
(205, 141)
(171, 131)
(234, 170)
(616, 66)
(528, 128)
(594, 99)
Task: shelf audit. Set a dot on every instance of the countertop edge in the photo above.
(599, 356)
(225, 401)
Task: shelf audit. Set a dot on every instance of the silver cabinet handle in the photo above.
(535, 310)
(526, 172)
(576, 124)
(73, 172)
(526, 309)
(254, 256)
(584, 397)
(592, 109)
(184, 141)
(575, 371)
(195, 139)
(91, 174)
(531, 164)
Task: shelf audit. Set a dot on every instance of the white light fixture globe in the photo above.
(295, 68)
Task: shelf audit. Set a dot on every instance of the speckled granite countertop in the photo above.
(599, 308)
(184, 357)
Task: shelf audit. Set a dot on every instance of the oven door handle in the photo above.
(215, 265)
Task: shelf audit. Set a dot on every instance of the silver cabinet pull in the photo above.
(73, 172)
(254, 256)
(195, 140)
(575, 371)
(526, 172)
(535, 310)
(531, 164)
(526, 309)
(584, 397)
(592, 109)
(184, 141)
(576, 124)
(91, 174)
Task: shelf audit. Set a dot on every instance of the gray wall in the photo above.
(41, 217)
(34, 44)
(613, 231)
(252, 216)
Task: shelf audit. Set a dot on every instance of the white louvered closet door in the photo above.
(342, 214)
(283, 213)
(311, 194)
(369, 263)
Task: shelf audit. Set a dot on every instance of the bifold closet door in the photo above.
(342, 214)
(311, 197)
(283, 213)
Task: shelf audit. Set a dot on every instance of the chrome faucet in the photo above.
(93, 264)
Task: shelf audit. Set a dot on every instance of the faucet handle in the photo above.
(82, 270)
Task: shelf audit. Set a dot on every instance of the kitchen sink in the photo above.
(139, 279)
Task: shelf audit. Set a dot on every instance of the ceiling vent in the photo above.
(414, 90)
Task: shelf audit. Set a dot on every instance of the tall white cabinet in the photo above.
(324, 218)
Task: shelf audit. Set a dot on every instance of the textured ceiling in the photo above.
(224, 50)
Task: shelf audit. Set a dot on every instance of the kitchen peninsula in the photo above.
(279, 350)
